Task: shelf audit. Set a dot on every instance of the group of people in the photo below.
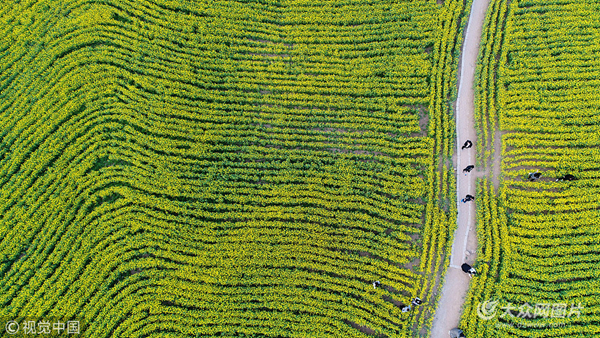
(466, 170)
(567, 177)
(416, 301)
(466, 267)
(536, 175)
(531, 177)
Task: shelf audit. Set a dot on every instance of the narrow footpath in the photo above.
(456, 284)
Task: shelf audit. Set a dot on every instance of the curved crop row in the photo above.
(225, 168)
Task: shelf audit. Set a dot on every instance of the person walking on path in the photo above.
(467, 199)
(456, 333)
(468, 169)
(468, 144)
(468, 269)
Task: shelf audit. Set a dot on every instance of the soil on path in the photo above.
(456, 283)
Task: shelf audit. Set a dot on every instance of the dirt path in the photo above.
(464, 247)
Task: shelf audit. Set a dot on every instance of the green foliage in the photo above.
(225, 168)
(539, 240)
